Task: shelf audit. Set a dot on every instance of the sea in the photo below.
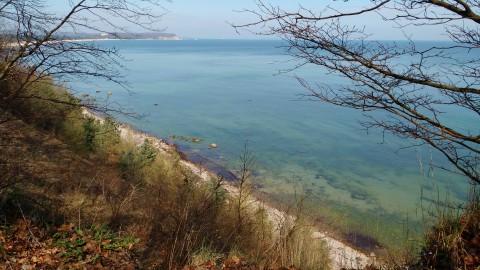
(242, 94)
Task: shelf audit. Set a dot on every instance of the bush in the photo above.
(134, 159)
(91, 129)
(453, 242)
(39, 102)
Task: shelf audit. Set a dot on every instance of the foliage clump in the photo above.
(28, 246)
(453, 242)
(134, 159)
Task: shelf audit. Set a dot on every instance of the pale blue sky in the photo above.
(208, 18)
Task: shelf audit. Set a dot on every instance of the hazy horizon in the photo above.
(213, 19)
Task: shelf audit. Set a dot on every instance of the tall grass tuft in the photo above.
(453, 241)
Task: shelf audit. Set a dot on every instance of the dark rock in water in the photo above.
(357, 196)
(330, 179)
(362, 241)
(209, 165)
(221, 171)
(182, 155)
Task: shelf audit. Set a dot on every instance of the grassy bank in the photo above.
(65, 173)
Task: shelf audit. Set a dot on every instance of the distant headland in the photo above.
(107, 36)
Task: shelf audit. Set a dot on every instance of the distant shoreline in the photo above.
(168, 37)
(176, 38)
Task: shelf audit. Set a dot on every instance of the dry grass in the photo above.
(453, 241)
(83, 173)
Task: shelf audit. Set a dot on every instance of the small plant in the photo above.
(89, 244)
(205, 255)
(90, 131)
(107, 137)
(147, 153)
(134, 159)
(25, 245)
(454, 240)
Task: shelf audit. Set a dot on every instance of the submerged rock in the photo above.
(357, 196)
(362, 241)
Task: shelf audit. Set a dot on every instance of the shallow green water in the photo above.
(227, 92)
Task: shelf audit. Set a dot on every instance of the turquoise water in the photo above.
(230, 92)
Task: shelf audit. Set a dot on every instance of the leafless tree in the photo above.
(33, 45)
(421, 89)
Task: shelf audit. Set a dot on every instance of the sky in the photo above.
(206, 18)
(211, 18)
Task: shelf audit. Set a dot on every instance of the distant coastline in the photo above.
(107, 36)
(78, 37)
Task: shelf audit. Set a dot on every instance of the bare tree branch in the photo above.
(34, 48)
(418, 87)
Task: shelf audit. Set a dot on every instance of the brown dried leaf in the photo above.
(51, 262)
(208, 264)
(236, 260)
(89, 247)
(23, 261)
(65, 228)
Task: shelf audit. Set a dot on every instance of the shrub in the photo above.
(453, 241)
(40, 102)
(90, 128)
(107, 138)
(134, 159)
(100, 136)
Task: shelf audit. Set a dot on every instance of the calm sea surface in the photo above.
(229, 92)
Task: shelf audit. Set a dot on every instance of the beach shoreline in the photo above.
(342, 254)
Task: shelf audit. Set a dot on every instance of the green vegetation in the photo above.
(453, 239)
(62, 166)
(65, 247)
(134, 159)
